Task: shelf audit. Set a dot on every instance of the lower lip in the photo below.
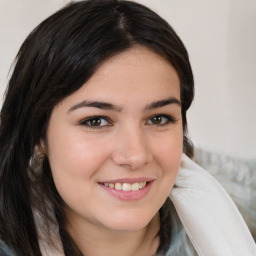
(129, 195)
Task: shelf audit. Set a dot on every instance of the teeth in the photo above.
(118, 186)
(126, 186)
(135, 186)
(142, 184)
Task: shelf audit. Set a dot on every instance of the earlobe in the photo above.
(40, 149)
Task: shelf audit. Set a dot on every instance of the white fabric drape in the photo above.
(208, 214)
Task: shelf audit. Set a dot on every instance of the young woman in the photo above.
(93, 130)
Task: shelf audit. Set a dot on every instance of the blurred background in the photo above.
(220, 37)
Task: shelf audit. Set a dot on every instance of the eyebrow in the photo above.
(96, 104)
(109, 106)
(162, 103)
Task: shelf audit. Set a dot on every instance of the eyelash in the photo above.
(85, 122)
(169, 119)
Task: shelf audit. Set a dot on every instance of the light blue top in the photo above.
(5, 250)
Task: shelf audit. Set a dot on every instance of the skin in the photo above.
(128, 143)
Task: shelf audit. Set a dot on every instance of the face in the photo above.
(115, 145)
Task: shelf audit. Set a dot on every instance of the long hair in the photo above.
(54, 61)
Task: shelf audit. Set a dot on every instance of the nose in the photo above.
(131, 149)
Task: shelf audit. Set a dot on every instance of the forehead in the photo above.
(138, 65)
(135, 75)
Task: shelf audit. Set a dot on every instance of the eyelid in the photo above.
(84, 122)
(170, 119)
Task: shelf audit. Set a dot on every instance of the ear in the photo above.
(41, 149)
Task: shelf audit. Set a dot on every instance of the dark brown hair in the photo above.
(55, 60)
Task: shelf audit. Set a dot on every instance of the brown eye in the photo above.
(156, 120)
(160, 120)
(95, 122)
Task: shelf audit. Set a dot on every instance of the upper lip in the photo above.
(128, 180)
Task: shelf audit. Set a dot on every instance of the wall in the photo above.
(17, 19)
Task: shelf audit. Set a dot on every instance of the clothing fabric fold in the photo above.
(210, 218)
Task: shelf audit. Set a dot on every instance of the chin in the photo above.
(129, 223)
(128, 226)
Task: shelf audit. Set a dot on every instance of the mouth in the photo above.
(126, 186)
(127, 190)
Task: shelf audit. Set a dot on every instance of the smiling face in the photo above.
(115, 145)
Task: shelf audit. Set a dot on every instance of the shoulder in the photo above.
(181, 245)
(5, 250)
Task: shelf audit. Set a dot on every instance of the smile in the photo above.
(126, 186)
(128, 189)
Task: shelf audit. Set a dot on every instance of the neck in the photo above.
(94, 240)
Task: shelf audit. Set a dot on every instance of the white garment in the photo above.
(210, 218)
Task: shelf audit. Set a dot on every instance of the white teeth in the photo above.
(142, 185)
(127, 186)
(135, 186)
(118, 186)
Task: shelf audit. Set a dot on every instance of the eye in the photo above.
(95, 122)
(160, 119)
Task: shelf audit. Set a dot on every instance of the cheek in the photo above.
(168, 156)
(75, 150)
(74, 160)
(75, 164)
(169, 150)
